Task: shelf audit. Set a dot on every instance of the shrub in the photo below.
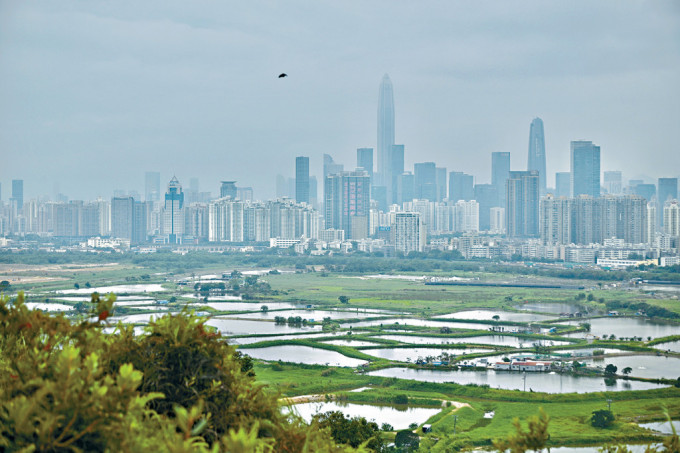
(602, 418)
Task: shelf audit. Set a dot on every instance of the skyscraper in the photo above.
(562, 184)
(396, 168)
(486, 196)
(461, 186)
(406, 184)
(365, 160)
(330, 167)
(537, 152)
(228, 189)
(441, 183)
(426, 180)
(173, 212)
(302, 179)
(152, 186)
(521, 204)
(500, 170)
(18, 193)
(385, 134)
(585, 169)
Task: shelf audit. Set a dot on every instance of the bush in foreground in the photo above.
(179, 387)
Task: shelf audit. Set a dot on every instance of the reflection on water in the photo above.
(673, 346)
(230, 327)
(493, 340)
(412, 354)
(398, 418)
(537, 382)
(483, 315)
(302, 354)
(624, 327)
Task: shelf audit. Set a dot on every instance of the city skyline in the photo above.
(120, 101)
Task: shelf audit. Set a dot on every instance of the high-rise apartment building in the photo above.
(302, 179)
(408, 235)
(128, 219)
(555, 220)
(585, 169)
(613, 182)
(152, 186)
(497, 220)
(500, 170)
(461, 186)
(348, 202)
(537, 152)
(521, 204)
(562, 184)
(385, 134)
(18, 193)
(587, 220)
(671, 218)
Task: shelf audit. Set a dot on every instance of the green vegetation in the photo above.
(70, 387)
(603, 418)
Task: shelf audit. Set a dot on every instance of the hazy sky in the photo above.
(94, 93)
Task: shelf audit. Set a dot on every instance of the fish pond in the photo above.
(537, 382)
(302, 354)
(399, 418)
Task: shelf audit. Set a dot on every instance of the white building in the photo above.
(409, 235)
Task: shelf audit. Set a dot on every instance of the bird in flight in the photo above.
(282, 75)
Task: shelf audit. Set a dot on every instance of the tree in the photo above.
(496, 318)
(591, 297)
(627, 370)
(610, 369)
(602, 418)
(407, 440)
(386, 427)
(534, 438)
(400, 399)
(4, 285)
(264, 309)
(76, 286)
(351, 431)
(343, 299)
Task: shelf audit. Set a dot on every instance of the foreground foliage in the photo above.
(71, 387)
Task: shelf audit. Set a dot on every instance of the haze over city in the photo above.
(95, 94)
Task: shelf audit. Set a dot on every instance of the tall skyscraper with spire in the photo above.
(537, 152)
(385, 135)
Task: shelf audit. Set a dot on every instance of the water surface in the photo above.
(538, 382)
(302, 354)
(397, 417)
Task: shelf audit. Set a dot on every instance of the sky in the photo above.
(94, 93)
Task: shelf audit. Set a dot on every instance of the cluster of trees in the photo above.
(649, 310)
(295, 321)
